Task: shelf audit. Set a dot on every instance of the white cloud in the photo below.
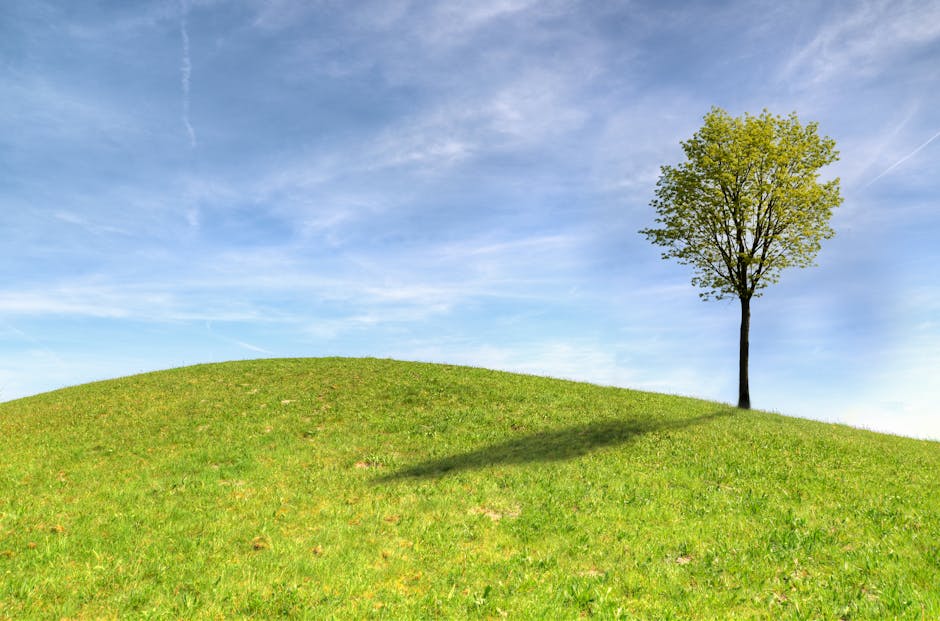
(274, 15)
(153, 302)
(471, 15)
(864, 42)
(237, 285)
(41, 111)
(140, 18)
(862, 154)
(506, 250)
(95, 228)
(186, 68)
(69, 302)
(451, 23)
(903, 159)
(253, 348)
(535, 107)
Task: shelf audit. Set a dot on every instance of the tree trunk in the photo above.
(744, 392)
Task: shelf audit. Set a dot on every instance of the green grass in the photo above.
(369, 488)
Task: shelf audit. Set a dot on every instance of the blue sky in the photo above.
(197, 181)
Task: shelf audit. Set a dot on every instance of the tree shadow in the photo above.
(544, 446)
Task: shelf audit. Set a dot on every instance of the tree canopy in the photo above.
(747, 202)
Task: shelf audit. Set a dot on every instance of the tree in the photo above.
(745, 204)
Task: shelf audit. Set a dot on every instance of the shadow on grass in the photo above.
(544, 446)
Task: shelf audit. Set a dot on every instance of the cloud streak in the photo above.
(186, 68)
(865, 42)
(241, 344)
(903, 159)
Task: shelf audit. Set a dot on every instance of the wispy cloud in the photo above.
(42, 112)
(253, 348)
(121, 301)
(903, 159)
(186, 68)
(233, 341)
(93, 228)
(33, 303)
(32, 340)
(864, 42)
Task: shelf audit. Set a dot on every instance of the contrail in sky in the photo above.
(242, 344)
(185, 71)
(903, 159)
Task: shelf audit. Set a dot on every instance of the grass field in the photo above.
(346, 488)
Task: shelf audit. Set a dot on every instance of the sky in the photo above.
(195, 181)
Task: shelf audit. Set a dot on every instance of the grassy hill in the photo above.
(357, 488)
